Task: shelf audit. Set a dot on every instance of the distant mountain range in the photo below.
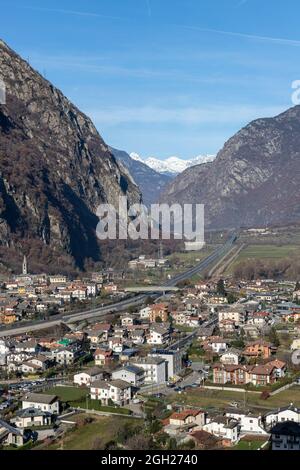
(150, 182)
(172, 166)
(254, 180)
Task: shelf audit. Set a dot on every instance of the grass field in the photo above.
(265, 253)
(95, 405)
(104, 429)
(77, 397)
(222, 399)
(184, 260)
(68, 394)
(248, 445)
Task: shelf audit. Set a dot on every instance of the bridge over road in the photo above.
(152, 289)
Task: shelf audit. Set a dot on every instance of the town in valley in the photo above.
(210, 363)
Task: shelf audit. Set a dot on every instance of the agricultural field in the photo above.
(94, 435)
(223, 398)
(264, 253)
(68, 394)
(187, 259)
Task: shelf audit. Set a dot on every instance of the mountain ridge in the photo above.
(254, 180)
(55, 170)
(149, 181)
(172, 166)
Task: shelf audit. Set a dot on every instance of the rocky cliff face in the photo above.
(55, 169)
(255, 179)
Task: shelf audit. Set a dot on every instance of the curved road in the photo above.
(123, 304)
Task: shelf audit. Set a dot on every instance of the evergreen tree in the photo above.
(273, 337)
(221, 288)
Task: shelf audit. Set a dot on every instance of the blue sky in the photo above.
(163, 77)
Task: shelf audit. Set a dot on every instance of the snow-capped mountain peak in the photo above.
(136, 157)
(172, 165)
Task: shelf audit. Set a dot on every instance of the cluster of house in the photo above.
(210, 430)
(150, 326)
(27, 295)
(28, 355)
(136, 350)
(24, 296)
(121, 383)
(143, 262)
(235, 366)
(37, 410)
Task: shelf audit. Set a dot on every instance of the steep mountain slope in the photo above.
(54, 170)
(149, 181)
(255, 179)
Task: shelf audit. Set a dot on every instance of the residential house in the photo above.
(205, 440)
(225, 428)
(42, 362)
(280, 415)
(285, 436)
(111, 288)
(145, 313)
(158, 335)
(154, 367)
(127, 320)
(231, 356)
(9, 435)
(42, 402)
(79, 293)
(217, 300)
(259, 348)
(117, 391)
(103, 357)
(116, 345)
(131, 374)
(65, 356)
(228, 373)
(173, 361)
(29, 367)
(216, 344)
(99, 333)
(31, 417)
(137, 337)
(88, 376)
(236, 315)
(159, 311)
(187, 417)
(249, 423)
(258, 375)
(30, 346)
(227, 326)
(58, 279)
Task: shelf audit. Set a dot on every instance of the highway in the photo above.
(121, 305)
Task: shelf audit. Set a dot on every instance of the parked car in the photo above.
(171, 385)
